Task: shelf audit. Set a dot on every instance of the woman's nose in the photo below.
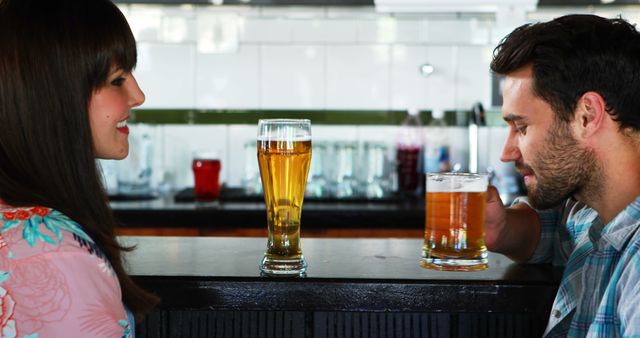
(137, 95)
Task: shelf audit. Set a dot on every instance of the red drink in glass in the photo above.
(206, 173)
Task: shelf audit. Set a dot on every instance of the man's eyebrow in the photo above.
(513, 118)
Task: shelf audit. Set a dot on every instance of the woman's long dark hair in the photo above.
(53, 56)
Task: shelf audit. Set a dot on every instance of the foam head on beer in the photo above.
(462, 182)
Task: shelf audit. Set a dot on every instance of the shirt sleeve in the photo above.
(627, 294)
(63, 294)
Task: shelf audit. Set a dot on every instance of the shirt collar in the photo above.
(618, 231)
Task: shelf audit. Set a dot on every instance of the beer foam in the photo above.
(284, 137)
(449, 182)
(290, 130)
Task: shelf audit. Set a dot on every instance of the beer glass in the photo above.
(284, 157)
(454, 222)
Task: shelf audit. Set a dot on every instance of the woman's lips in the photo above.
(122, 126)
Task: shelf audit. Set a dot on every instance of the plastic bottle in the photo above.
(408, 153)
(437, 148)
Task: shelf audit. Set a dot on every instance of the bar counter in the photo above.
(211, 287)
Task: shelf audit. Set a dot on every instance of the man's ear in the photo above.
(589, 115)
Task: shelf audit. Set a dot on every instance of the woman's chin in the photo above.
(120, 155)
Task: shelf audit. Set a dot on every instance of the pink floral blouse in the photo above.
(54, 281)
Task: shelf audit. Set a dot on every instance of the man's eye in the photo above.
(118, 81)
(522, 130)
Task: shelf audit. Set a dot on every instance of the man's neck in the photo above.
(620, 184)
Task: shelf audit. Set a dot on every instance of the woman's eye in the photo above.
(118, 81)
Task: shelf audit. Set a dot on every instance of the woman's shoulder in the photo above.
(53, 279)
(26, 231)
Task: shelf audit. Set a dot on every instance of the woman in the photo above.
(66, 91)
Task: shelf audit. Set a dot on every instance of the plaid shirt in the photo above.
(599, 294)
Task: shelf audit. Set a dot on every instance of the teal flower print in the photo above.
(56, 221)
(32, 218)
(4, 275)
(127, 330)
(9, 220)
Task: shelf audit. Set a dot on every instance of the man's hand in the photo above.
(512, 231)
(495, 219)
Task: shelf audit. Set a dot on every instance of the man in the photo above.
(572, 101)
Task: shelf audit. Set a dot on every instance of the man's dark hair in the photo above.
(574, 54)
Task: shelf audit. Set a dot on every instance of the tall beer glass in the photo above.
(454, 222)
(284, 157)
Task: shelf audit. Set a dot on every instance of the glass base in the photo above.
(134, 188)
(283, 267)
(454, 264)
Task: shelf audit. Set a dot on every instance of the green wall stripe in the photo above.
(320, 117)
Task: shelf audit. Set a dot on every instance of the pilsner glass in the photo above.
(455, 214)
(284, 157)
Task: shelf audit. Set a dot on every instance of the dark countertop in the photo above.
(209, 273)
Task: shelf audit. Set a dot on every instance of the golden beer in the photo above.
(284, 158)
(283, 168)
(454, 230)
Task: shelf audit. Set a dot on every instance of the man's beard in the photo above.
(562, 169)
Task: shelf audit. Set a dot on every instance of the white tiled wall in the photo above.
(358, 77)
(167, 87)
(411, 89)
(212, 57)
(472, 75)
(229, 57)
(292, 76)
(229, 81)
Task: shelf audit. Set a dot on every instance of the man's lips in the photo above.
(525, 171)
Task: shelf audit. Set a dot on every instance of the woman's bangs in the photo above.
(121, 46)
(115, 50)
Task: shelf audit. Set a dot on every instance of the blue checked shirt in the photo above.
(599, 294)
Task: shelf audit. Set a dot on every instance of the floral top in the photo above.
(54, 280)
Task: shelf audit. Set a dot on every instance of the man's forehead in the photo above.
(517, 88)
(519, 79)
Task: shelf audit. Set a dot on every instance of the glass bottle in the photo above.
(408, 153)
